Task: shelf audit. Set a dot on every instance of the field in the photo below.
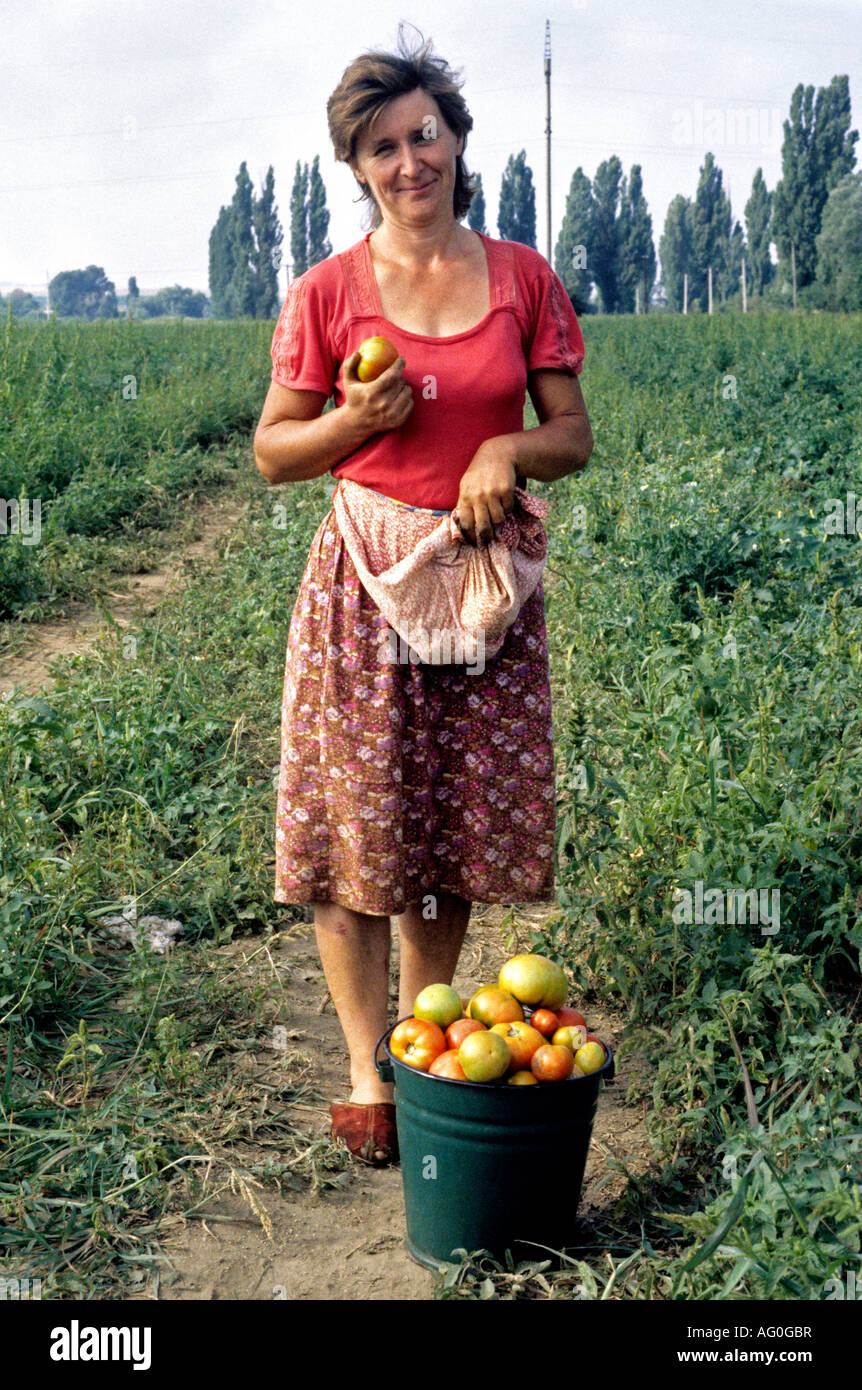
(704, 612)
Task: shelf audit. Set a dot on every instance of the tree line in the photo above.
(604, 254)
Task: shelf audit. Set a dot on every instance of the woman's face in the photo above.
(408, 161)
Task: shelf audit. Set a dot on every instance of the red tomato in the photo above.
(546, 1022)
(568, 1016)
(416, 1042)
(460, 1029)
(448, 1066)
(552, 1063)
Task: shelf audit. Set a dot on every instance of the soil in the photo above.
(349, 1244)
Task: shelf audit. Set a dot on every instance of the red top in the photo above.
(467, 387)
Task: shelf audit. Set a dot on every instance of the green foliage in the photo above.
(708, 671)
(839, 247)
(516, 215)
(86, 294)
(758, 219)
(108, 426)
(675, 251)
(299, 220)
(605, 251)
(711, 226)
(319, 246)
(177, 300)
(637, 253)
(245, 252)
(571, 255)
(816, 154)
(476, 215)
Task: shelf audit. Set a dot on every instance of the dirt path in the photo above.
(349, 1244)
(27, 651)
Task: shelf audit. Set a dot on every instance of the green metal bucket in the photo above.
(490, 1166)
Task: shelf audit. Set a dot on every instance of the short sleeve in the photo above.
(302, 352)
(556, 339)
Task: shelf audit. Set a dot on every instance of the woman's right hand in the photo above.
(378, 405)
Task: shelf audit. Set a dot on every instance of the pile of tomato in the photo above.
(490, 1039)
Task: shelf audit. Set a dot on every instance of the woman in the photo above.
(412, 789)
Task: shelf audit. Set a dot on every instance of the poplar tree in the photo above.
(606, 250)
(817, 152)
(573, 251)
(637, 253)
(319, 247)
(758, 219)
(674, 251)
(221, 264)
(516, 219)
(476, 215)
(299, 221)
(242, 288)
(266, 259)
(710, 234)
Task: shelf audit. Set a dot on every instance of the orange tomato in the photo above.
(448, 1066)
(522, 1041)
(546, 1022)
(416, 1042)
(522, 1078)
(492, 1005)
(552, 1063)
(376, 355)
(460, 1029)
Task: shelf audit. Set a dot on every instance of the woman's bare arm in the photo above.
(294, 441)
(561, 444)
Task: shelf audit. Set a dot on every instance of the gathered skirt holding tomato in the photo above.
(400, 778)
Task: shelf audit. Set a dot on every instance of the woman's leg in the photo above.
(430, 946)
(354, 952)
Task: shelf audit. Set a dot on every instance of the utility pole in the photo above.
(548, 125)
(793, 269)
(744, 289)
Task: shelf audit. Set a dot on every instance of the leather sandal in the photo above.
(369, 1131)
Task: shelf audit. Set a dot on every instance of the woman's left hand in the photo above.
(487, 492)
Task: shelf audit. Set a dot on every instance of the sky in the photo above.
(123, 123)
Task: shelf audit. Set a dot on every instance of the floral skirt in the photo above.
(397, 778)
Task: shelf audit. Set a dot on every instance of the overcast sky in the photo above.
(123, 122)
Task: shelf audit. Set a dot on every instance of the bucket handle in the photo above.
(384, 1069)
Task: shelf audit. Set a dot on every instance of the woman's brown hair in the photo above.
(376, 78)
